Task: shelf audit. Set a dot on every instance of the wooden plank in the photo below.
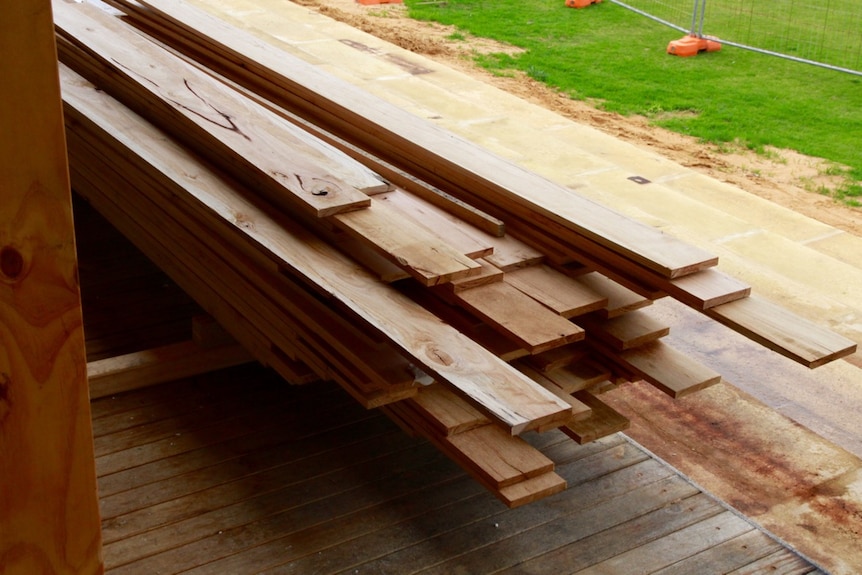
(620, 299)
(150, 367)
(668, 369)
(254, 144)
(511, 254)
(602, 421)
(626, 331)
(532, 489)
(782, 331)
(676, 546)
(457, 233)
(454, 160)
(780, 563)
(488, 274)
(584, 374)
(309, 459)
(523, 319)
(553, 359)
(561, 293)
(465, 322)
(707, 288)
(726, 556)
(579, 409)
(524, 538)
(450, 358)
(420, 252)
(48, 502)
(443, 408)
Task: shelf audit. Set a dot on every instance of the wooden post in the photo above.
(49, 516)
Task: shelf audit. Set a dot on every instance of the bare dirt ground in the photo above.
(782, 176)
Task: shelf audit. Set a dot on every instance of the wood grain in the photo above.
(48, 504)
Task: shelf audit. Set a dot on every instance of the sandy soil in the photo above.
(782, 176)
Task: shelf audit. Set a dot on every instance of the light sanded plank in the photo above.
(439, 350)
(49, 507)
(782, 331)
(603, 420)
(511, 254)
(561, 293)
(579, 409)
(553, 359)
(626, 331)
(522, 318)
(372, 259)
(531, 489)
(670, 370)
(423, 254)
(445, 410)
(150, 367)
(583, 374)
(255, 144)
(707, 288)
(498, 458)
(420, 142)
(488, 274)
(456, 232)
(483, 334)
(620, 298)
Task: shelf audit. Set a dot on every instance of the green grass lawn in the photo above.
(616, 58)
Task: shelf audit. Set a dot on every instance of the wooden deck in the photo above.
(235, 472)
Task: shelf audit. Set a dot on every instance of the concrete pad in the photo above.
(839, 245)
(756, 211)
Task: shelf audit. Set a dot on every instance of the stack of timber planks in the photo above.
(339, 238)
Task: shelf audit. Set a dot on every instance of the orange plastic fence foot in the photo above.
(692, 46)
(580, 3)
(372, 2)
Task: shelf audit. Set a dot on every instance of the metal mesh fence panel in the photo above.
(828, 32)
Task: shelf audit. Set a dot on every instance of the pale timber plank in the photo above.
(140, 369)
(782, 331)
(602, 420)
(627, 331)
(407, 243)
(665, 367)
(258, 146)
(561, 293)
(620, 299)
(457, 233)
(532, 325)
(50, 513)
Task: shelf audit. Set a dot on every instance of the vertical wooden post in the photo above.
(49, 516)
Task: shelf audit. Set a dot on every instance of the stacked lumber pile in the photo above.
(339, 238)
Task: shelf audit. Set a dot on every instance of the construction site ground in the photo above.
(778, 442)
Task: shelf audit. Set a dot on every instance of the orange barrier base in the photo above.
(692, 46)
(371, 2)
(580, 3)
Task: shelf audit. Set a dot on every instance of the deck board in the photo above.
(238, 472)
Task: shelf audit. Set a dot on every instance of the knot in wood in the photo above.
(440, 356)
(11, 262)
